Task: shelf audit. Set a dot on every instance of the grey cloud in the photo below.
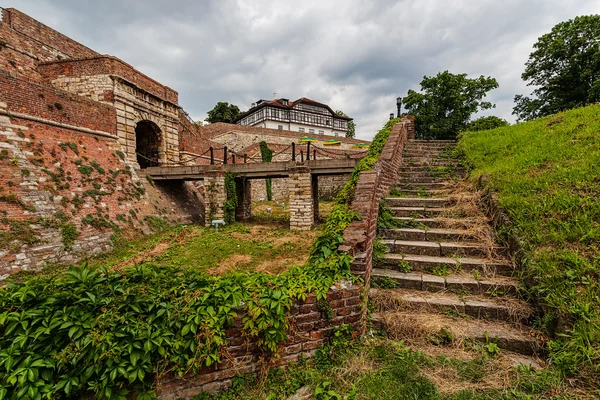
(355, 55)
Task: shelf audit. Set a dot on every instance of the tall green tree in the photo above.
(223, 112)
(446, 103)
(485, 123)
(351, 133)
(565, 68)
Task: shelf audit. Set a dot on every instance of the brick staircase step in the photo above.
(421, 179)
(416, 212)
(476, 306)
(518, 338)
(422, 185)
(419, 202)
(427, 174)
(410, 163)
(410, 222)
(432, 142)
(437, 249)
(431, 235)
(423, 193)
(455, 283)
(417, 262)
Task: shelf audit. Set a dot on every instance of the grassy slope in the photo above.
(547, 177)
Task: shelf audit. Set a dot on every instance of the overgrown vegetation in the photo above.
(267, 156)
(545, 174)
(112, 332)
(231, 201)
(381, 369)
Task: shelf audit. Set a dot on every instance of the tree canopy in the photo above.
(223, 112)
(485, 123)
(351, 133)
(446, 103)
(565, 67)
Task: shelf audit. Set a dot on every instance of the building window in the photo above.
(280, 127)
(336, 134)
(321, 132)
(300, 129)
(311, 131)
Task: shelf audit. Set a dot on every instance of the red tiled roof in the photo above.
(279, 104)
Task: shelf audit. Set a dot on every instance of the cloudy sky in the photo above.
(355, 55)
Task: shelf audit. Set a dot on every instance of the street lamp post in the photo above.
(399, 105)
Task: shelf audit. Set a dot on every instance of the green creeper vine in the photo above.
(267, 156)
(232, 201)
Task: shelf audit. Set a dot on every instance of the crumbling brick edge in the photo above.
(371, 187)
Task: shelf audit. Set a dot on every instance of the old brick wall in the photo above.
(106, 65)
(43, 38)
(33, 98)
(372, 186)
(51, 176)
(309, 328)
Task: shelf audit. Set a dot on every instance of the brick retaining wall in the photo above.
(309, 328)
(372, 186)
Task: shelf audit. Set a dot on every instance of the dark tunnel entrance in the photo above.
(147, 144)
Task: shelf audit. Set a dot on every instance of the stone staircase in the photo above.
(442, 271)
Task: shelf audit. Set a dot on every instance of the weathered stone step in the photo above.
(413, 162)
(430, 235)
(417, 212)
(476, 306)
(421, 179)
(423, 185)
(419, 202)
(447, 176)
(437, 249)
(423, 193)
(429, 169)
(409, 222)
(429, 154)
(455, 283)
(519, 339)
(432, 142)
(424, 263)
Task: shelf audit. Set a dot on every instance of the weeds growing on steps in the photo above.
(381, 369)
(545, 174)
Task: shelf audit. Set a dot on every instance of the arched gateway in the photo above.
(148, 143)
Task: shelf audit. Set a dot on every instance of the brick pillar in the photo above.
(302, 215)
(215, 196)
(315, 196)
(243, 190)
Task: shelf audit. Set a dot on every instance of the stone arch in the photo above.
(149, 144)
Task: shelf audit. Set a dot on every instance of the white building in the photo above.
(303, 115)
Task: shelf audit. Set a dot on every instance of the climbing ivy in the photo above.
(232, 201)
(267, 156)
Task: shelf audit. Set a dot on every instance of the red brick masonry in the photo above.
(309, 328)
(371, 187)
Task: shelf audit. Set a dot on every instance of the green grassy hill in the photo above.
(546, 174)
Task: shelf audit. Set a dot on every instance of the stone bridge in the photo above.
(303, 184)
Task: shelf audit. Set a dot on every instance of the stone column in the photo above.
(302, 214)
(243, 190)
(214, 196)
